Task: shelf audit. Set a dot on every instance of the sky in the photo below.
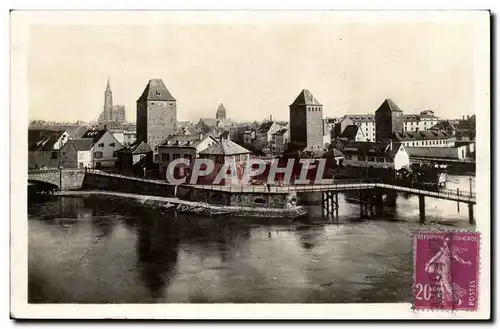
(254, 67)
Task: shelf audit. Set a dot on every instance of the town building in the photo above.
(105, 146)
(354, 133)
(156, 114)
(388, 120)
(279, 140)
(134, 159)
(182, 146)
(249, 136)
(412, 122)
(207, 124)
(114, 127)
(129, 137)
(44, 147)
(459, 152)
(365, 121)
(426, 138)
(77, 153)
(331, 122)
(466, 128)
(264, 134)
(417, 122)
(225, 154)
(376, 155)
(307, 127)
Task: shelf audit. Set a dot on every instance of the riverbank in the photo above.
(201, 208)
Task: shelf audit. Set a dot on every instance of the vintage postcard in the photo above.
(250, 165)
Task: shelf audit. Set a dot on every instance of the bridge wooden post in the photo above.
(472, 221)
(336, 205)
(421, 207)
(360, 203)
(323, 204)
(327, 203)
(379, 203)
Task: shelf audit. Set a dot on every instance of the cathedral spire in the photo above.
(108, 103)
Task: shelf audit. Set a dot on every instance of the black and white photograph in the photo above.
(231, 160)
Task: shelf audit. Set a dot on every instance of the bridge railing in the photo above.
(103, 173)
(278, 188)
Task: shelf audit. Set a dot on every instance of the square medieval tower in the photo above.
(156, 113)
(306, 121)
(388, 120)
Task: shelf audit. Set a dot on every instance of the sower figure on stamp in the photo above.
(440, 265)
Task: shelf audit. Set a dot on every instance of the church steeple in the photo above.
(108, 103)
(221, 112)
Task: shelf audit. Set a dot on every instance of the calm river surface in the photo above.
(86, 250)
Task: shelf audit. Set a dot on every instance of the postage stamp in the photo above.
(446, 271)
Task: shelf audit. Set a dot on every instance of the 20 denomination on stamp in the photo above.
(446, 270)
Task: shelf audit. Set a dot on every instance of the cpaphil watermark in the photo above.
(294, 171)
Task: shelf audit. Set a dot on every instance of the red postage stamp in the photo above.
(446, 271)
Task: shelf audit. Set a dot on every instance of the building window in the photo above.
(100, 145)
(53, 155)
(98, 155)
(379, 159)
(111, 144)
(348, 157)
(372, 159)
(389, 159)
(176, 156)
(165, 157)
(219, 159)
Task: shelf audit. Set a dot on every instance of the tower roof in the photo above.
(388, 104)
(108, 87)
(306, 98)
(221, 108)
(156, 91)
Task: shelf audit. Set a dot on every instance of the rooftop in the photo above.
(81, 144)
(306, 98)
(156, 91)
(372, 148)
(225, 147)
(264, 128)
(43, 139)
(94, 134)
(281, 132)
(184, 141)
(388, 104)
(421, 135)
(433, 152)
(350, 132)
(138, 147)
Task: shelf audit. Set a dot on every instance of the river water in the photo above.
(89, 250)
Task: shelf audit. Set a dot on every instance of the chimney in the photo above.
(200, 136)
(271, 117)
(390, 145)
(105, 127)
(467, 117)
(463, 117)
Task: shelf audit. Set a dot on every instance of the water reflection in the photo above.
(93, 250)
(157, 253)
